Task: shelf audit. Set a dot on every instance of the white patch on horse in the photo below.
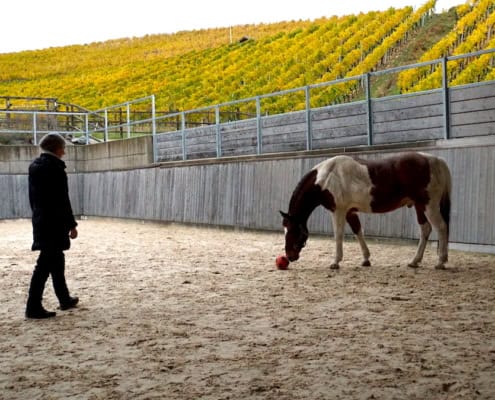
(341, 173)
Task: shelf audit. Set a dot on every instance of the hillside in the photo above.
(193, 69)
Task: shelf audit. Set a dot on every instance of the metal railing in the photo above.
(140, 117)
(364, 81)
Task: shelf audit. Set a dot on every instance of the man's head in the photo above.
(53, 143)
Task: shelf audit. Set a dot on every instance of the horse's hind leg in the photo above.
(436, 219)
(353, 221)
(425, 231)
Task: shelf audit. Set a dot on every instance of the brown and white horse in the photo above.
(346, 185)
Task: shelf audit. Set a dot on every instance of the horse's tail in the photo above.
(445, 199)
(445, 209)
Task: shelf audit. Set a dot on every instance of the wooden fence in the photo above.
(470, 111)
(249, 194)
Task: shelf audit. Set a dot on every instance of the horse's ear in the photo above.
(284, 215)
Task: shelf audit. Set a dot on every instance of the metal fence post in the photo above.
(446, 99)
(128, 120)
(105, 139)
(35, 133)
(309, 130)
(259, 134)
(369, 109)
(153, 129)
(219, 133)
(86, 127)
(183, 131)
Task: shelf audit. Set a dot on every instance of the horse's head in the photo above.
(296, 235)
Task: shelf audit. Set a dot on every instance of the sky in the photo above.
(38, 24)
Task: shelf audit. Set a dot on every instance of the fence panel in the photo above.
(339, 126)
(472, 110)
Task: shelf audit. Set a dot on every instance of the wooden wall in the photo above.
(14, 197)
(249, 193)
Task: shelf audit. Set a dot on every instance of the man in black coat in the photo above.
(53, 225)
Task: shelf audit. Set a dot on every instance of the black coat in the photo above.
(49, 198)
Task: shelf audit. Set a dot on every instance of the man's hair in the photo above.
(52, 142)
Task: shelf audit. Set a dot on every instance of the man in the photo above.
(53, 225)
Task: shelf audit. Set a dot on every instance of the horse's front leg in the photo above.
(425, 230)
(338, 220)
(423, 239)
(353, 221)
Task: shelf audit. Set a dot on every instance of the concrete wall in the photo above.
(119, 154)
(15, 160)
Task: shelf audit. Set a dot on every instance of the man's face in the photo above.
(60, 152)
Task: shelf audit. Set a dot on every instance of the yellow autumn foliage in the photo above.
(194, 69)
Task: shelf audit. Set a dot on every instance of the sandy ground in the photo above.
(178, 312)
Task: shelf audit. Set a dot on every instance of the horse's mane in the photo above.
(301, 190)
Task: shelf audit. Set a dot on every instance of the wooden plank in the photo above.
(346, 141)
(407, 101)
(284, 131)
(293, 137)
(341, 122)
(292, 146)
(246, 142)
(235, 151)
(480, 104)
(345, 110)
(410, 126)
(233, 135)
(170, 150)
(239, 126)
(408, 136)
(408, 113)
(200, 132)
(482, 90)
(461, 131)
(169, 138)
(283, 119)
(347, 131)
(473, 118)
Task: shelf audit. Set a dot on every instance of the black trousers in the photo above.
(50, 262)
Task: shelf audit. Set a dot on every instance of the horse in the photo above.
(346, 185)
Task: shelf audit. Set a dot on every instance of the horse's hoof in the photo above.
(334, 266)
(440, 266)
(366, 263)
(411, 265)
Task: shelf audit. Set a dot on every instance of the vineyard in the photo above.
(474, 30)
(195, 69)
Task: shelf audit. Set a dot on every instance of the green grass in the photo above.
(434, 29)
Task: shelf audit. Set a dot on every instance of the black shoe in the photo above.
(71, 303)
(40, 314)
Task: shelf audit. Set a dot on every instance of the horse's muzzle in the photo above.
(292, 256)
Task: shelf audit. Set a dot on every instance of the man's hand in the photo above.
(73, 233)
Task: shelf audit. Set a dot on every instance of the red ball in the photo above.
(282, 262)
